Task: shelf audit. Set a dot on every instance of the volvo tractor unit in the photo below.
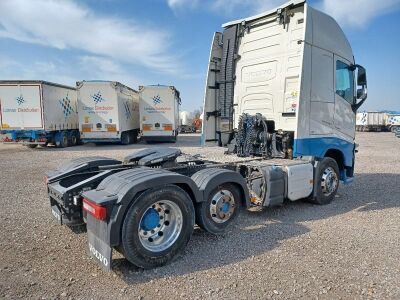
(281, 94)
(284, 84)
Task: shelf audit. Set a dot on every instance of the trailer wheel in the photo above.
(157, 226)
(62, 142)
(74, 140)
(173, 140)
(327, 181)
(126, 138)
(220, 208)
(134, 134)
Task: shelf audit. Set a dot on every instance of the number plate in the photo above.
(56, 213)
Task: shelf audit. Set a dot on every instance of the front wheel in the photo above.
(157, 226)
(327, 181)
(220, 209)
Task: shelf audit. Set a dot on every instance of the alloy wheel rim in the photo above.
(160, 225)
(329, 181)
(222, 206)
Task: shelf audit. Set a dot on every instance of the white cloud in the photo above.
(227, 7)
(96, 67)
(250, 6)
(69, 25)
(358, 13)
(67, 72)
(54, 71)
(176, 4)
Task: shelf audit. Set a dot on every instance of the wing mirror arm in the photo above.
(357, 105)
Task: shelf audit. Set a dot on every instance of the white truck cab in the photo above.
(293, 67)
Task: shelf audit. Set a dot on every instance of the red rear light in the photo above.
(97, 211)
(46, 179)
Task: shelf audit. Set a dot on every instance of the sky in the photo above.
(167, 42)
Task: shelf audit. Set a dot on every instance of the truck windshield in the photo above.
(344, 82)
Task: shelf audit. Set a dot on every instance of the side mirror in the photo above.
(361, 92)
(361, 76)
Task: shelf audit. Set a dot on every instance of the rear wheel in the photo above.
(157, 226)
(220, 208)
(74, 139)
(126, 138)
(173, 139)
(327, 181)
(134, 136)
(63, 141)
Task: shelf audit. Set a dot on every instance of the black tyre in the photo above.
(157, 226)
(74, 140)
(326, 181)
(134, 137)
(63, 142)
(126, 138)
(220, 209)
(32, 146)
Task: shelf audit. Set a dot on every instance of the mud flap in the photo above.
(100, 251)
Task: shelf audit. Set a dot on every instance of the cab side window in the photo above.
(344, 81)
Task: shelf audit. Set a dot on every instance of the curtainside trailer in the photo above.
(372, 121)
(280, 95)
(159, 113)
(108, 112)
(393, 122)
(38, 113)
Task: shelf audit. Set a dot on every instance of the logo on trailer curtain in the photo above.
(66, 106)
(97, 98)
(98, 108)
(20, 99)
(157, 100)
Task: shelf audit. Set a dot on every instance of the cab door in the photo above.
(344, 117)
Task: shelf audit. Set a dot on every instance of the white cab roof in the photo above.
(266, 13)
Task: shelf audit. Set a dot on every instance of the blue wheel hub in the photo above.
(225, 207)
(150, 220)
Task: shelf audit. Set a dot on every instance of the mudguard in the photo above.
(78, 165)
(118, 191)
(208, 179)
(153, 156)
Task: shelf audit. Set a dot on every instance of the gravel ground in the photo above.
(347, 249)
